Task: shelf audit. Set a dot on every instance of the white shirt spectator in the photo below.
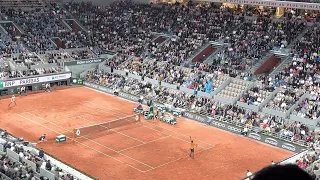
(21, 154)
(249, 174)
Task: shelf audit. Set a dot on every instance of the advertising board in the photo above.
(34, 80)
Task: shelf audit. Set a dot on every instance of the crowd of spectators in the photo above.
(126, 27)
(303, 70)
(309, 108)
(19, 169)
(40, 25)
(116, 60)
(248, 44)
(58, 56)
(204, 82)
(118, 27)
(256, 95)
(105, 79)
(129, 30)
(285, 99)
(310, 160)
(8, 46)
(292, 131)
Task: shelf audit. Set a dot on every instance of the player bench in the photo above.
(61, 138)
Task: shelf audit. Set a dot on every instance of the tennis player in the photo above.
(192, 145)
(13, 100)
(42, 138)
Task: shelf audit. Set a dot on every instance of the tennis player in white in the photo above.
(13, 100)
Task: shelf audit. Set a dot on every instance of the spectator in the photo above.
(41, 153)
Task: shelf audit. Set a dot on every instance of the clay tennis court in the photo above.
(145, 150)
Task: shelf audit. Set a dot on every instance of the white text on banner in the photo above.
(34, 80)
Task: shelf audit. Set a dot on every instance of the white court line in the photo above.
(164, 137)
(178, 159)
(82, 144)
(113, 130)
(173, 136)
(97, 109)
(94, 142)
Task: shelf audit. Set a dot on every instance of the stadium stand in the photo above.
(19, 160)
(38, 40)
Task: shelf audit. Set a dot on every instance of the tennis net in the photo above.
(85, 130)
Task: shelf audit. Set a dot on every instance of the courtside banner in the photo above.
(83, 61)
(215, 123)
(273, 3)
(98, 87)
(276, 142)
(34, 80)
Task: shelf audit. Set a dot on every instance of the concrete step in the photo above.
(261, 61)
(219, 48)
(284, 61)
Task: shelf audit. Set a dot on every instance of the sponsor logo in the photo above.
(133, 98)
(188, 115)
(218, 124)
(127, 96)
(231, 128)
(199, 118)
(288, 146)
(30, 81)
(89, 61)
(271, 141)
(94, 86)
(123, 95)
(255, 136)
(107, 90)
(195, 117)
(58, 77)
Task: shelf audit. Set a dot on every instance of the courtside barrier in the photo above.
(168, 85)
(1, 148)
(46, 173)
(186, 90)
(204, 94)
(30, 163)
(134, 76)
(5, 176)
(13, 155)
(152, 81)
(225, 124)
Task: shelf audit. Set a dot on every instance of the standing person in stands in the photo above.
(13, 100)
(23, 91)
(192, 146)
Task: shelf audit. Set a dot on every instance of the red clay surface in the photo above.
(147, 150)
